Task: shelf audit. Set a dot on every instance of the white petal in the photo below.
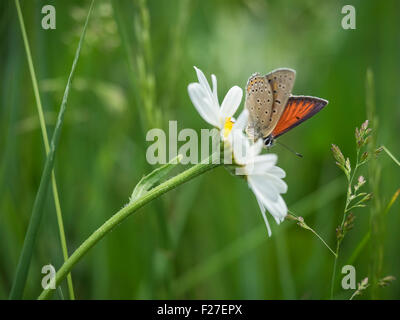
(214, 90)
(256, 148)
(279, 184)
(267, 203)
(280, 208)
(241, 121)
(240, 146)
(268, 157)
(231, 102)
(261, 163)
(259, 168)
(277, 207)
(264, 172)
(264, 188)
(277, 210)
(262, 208)
(276, 171)
(207, 90)
(203, 80)
(203, 105)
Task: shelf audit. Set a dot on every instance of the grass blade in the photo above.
(46, 144)
(391, 156)
(376, 226)
(37, 211)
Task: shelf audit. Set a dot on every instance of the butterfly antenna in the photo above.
(291, 150)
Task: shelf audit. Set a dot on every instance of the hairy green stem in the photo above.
(46, 144)
(122, 214)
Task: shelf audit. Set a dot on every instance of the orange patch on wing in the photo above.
(297, 110)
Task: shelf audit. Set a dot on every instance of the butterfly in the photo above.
(273, 110)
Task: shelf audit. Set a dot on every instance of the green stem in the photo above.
(303, 224)
(348, 201)
(323, 241)
(122, 214)
(334, 269)
(353, 295)
(46, 144)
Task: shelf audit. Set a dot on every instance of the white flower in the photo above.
(206, 101)
(262, 174)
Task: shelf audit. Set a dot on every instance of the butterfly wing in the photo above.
(281, 82)
(259, 101)
(266, 98)
(298, 110)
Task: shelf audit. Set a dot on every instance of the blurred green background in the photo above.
(206, 239)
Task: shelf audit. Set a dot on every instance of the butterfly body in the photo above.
(273, 110)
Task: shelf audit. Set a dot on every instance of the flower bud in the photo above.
(348, 166)
(378, 151)
(364, 126)
(338, 155)
(364, 156)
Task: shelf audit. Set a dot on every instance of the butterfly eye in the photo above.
(268, 141)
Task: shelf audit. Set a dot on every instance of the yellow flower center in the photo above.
(228, 127)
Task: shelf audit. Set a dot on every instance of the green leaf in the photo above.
(149, 181)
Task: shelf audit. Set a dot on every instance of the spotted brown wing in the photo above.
(259, 101)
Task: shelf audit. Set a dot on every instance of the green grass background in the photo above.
(206, 239)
